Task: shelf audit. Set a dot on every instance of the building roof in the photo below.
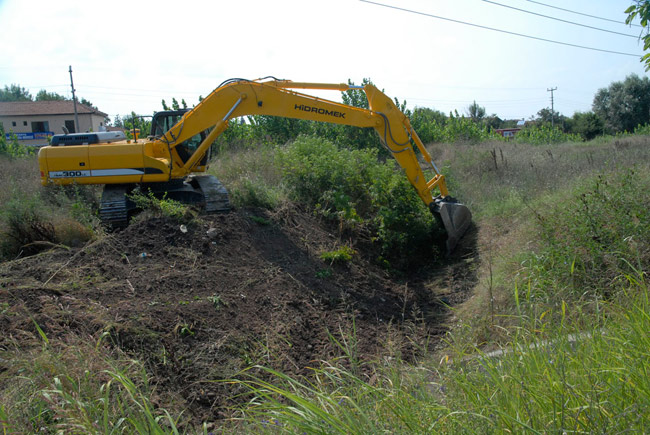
(40, 108)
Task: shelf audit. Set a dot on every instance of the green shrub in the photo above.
(355, 189)
(643, 130)
(12, 148)
(545, 134)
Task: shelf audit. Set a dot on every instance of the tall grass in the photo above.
(499, 179)
(571, 382)
(34, 218)
(78, 387)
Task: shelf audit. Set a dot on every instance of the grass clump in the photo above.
(342, 255)
(77, 387)
(160, 206)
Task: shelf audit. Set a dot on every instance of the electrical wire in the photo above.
(560, 19)
(501, 30)
(580, 13)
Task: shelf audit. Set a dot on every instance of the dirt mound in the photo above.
(200, 302)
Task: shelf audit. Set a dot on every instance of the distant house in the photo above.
(511, 132)
(34, 121)
(507, 132)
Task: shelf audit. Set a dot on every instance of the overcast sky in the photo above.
(129, 55)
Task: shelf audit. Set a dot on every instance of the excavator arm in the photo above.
(280, 98)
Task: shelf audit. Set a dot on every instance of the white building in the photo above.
(34, 121)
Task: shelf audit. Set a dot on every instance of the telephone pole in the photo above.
(552, 106)
(74, 100)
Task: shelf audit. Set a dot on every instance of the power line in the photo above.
(560, 19)
(580, 13)
(500, 30)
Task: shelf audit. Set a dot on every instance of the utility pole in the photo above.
(74, 100)
(552, 106)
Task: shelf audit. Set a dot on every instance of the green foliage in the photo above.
(587, 124)
(595, 239)
(14, 92)
(24, 226)
(44, 95)
(428, 124)
(591, 382)
(252, 192)
(353, 188)
(475, 111)
(641, 9)
(217, 302)
(643, 130)
(342, 255)
(159, 206)
(129, 122)
(624, 105)
(32, 222)
(461, 129)
(11, 147)
(545, 134)
(260, 220)
(78, 389)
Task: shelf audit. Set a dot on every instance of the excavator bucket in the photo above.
(454, 216)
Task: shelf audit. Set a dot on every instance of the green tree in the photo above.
(129, 122)
(587, 124)
(15, 93)
(641, 9)
(88, 103)
(624, 105)
(428, 124)
(475, 111)
(43, 95)
(356, 97)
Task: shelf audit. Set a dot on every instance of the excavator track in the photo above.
(203, 191)
(114, 206)
(215, 195)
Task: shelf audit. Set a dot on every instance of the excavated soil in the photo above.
(201, 302)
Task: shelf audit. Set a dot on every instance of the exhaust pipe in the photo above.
(454, 217)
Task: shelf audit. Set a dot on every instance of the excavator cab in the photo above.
(166, 119)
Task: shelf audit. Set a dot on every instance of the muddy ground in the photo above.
(246, 287)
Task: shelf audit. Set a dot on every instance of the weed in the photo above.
(342, 255)
(159, 206)
(324, 273)
(217, 302)
(184, 330)
(260, 220)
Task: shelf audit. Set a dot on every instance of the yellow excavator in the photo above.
(171, 159)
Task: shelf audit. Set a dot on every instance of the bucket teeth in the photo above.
(454, 216)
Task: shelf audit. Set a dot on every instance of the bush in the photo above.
(12, 147)
(355, 189)
(539, 135)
